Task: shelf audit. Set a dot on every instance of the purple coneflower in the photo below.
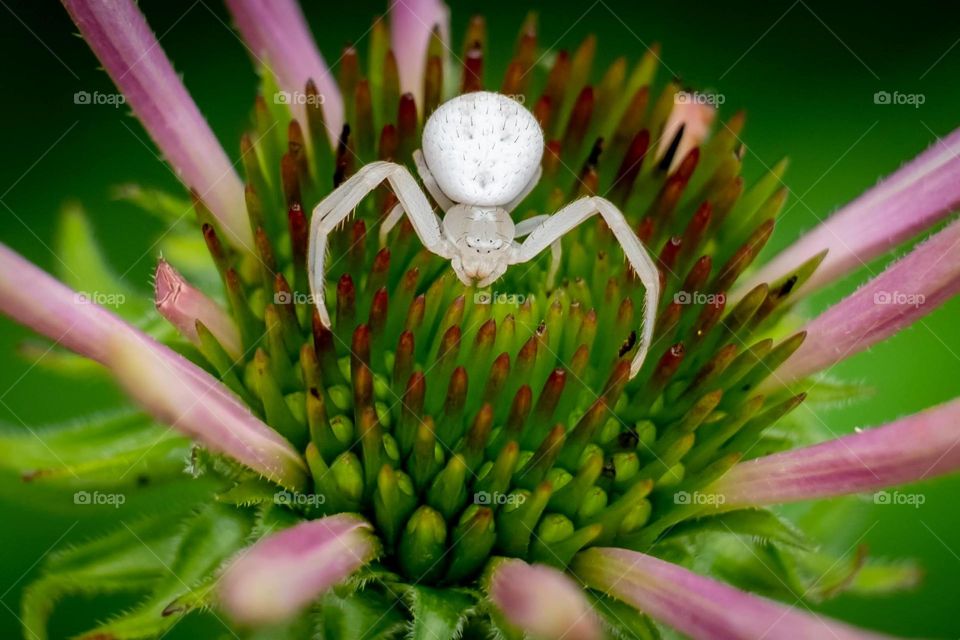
(444, 463)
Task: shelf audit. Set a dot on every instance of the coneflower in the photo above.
(445, 462)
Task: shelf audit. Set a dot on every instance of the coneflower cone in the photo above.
(467, 424)
(508, 413)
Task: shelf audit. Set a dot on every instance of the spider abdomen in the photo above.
(482, 148)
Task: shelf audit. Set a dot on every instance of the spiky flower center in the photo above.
(468, 423)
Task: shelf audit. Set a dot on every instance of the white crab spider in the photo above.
(481, 157)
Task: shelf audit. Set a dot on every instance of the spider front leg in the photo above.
(557, 225)
(337, 206)
(392, 218)
(525, 227)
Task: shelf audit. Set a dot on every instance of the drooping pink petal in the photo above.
(914, 198)
(278, 36)
(700, 607)
(282, 573)
(695, 113)
(908, 290)
(183, 305)
(33, 298)
(411, 26)
(924, 445)
(177, 392)
(121, 38)
(543, 602)
(172, 388)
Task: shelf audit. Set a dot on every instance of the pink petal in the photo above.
(278, 36)
(924, 445)
(284, 572)
(183, 305)
(33, 298)
(172, 388)
(908, 290)
(700, 607)
(695, 116)
(411, 26)
(120, 37)
(914, 198)
(543, 602)
(177, 392)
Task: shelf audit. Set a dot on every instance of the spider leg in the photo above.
(555, 226)
(430, 182)
(392, 218)
(510, 206)
(525, 227)
(337, 206)
(389, 222)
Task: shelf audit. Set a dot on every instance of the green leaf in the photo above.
(272, 517)
(110, 450)
(59, 361)
(756, 567)
(789, 572)
(132, 558)
(249, 492)
(828, 392)
(208, 539)
(623, 621)
(166, 206)
(83, 267)
(297, 628)
(760, 524)
(437, 614)
(882, 577)
(368, 614)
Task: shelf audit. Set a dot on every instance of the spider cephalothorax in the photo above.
(481, 157)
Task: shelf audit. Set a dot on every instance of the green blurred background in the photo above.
(806, 72)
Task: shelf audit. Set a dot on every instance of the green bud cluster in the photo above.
(466, 424)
